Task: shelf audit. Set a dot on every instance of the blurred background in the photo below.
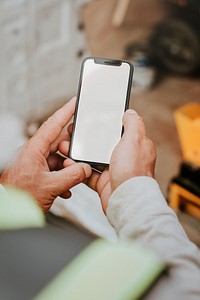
(43, 43)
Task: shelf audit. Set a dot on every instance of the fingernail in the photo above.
(88, 170)
(131, 112)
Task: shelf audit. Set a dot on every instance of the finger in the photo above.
(68, 162)
(69, 177)
(64, 147)
(66, 195)
(133, 124)
(97, 181)
(69, 129)
(55, 162)
(93, 180)
(64, 136)
(51, 129)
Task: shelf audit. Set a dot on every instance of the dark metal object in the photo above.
(175, 43)
(189, 178)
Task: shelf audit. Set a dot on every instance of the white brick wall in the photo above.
(39, 42)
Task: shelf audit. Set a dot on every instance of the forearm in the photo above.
(137, 210)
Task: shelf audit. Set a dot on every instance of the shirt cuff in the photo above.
(137, 198)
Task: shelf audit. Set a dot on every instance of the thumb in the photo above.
(69, 177)
(133, 124)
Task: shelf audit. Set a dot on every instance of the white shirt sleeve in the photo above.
(138, 210)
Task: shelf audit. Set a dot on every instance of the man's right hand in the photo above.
(133, 156)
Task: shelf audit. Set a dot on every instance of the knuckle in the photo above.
(51, 120)
(137, 137)
(152, 148)
(140, 119)
(78, 174)
(151, 145)
(55, 119)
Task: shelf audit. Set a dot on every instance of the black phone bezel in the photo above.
(103, 61)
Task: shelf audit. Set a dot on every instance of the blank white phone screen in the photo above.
(101, 106)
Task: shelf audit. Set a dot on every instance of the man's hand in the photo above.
(133, 156)
(37, 167)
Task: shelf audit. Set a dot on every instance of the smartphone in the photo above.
(103, 96)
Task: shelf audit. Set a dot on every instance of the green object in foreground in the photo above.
(106, 271)
(19, 210)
